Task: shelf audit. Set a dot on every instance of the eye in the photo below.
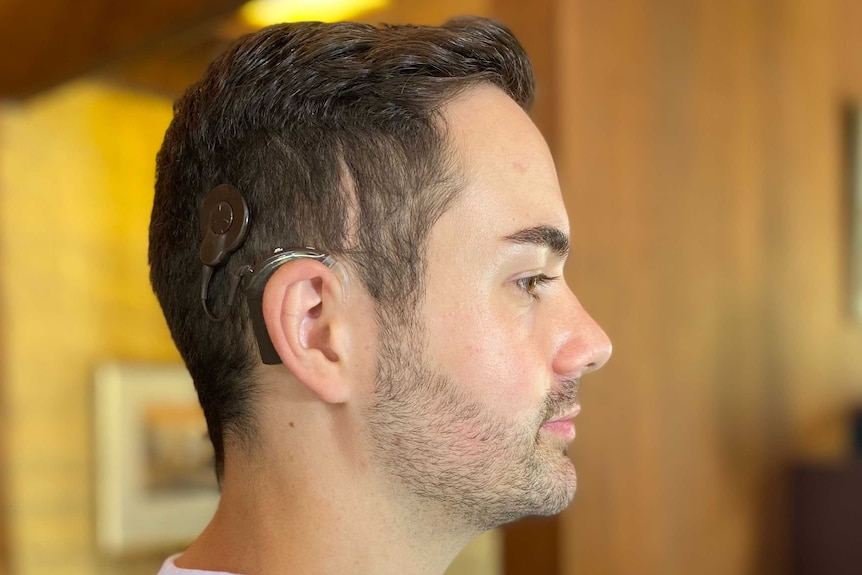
(532, 285)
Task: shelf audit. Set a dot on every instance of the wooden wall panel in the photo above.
(43, 44)
(848, 48)
(700, 153)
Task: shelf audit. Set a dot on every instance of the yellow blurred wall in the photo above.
(76, 186)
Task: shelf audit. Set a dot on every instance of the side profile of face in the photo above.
(475, 395)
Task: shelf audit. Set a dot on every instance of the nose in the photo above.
(584, 346)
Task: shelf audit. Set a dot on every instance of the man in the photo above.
(358, 241)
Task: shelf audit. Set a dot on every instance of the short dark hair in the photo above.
(333, 134)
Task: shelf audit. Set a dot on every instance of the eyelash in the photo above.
(529, 284)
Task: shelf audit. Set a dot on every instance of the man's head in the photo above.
(405, 153)
(333, 135)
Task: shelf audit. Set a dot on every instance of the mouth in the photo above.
(563, 425)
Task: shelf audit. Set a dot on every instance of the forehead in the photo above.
(510, 182)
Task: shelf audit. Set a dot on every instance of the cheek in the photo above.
(495, 361)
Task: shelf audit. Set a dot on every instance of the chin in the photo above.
(554, 482)
(561, 490)
(546, 487)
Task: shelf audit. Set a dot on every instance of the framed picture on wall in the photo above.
(156, 485)
(854, 178)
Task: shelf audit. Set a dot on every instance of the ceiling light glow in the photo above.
(260, 13)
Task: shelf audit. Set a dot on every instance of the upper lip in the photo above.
(567, 415)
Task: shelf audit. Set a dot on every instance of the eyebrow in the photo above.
(543, 236)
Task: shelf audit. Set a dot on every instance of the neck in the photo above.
(316, 510)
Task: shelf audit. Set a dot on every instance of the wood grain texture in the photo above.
(45, 43)
(700, 155)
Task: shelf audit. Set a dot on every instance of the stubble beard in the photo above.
(451, 454)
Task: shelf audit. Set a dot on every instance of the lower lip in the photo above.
(565, 429)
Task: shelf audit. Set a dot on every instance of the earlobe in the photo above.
(303, 312)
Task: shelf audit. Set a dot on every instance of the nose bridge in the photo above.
(583, 345)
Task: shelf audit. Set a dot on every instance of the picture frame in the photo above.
(155, 477)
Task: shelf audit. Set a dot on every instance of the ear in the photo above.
(305, 316)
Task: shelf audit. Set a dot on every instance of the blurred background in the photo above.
(702, 147)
